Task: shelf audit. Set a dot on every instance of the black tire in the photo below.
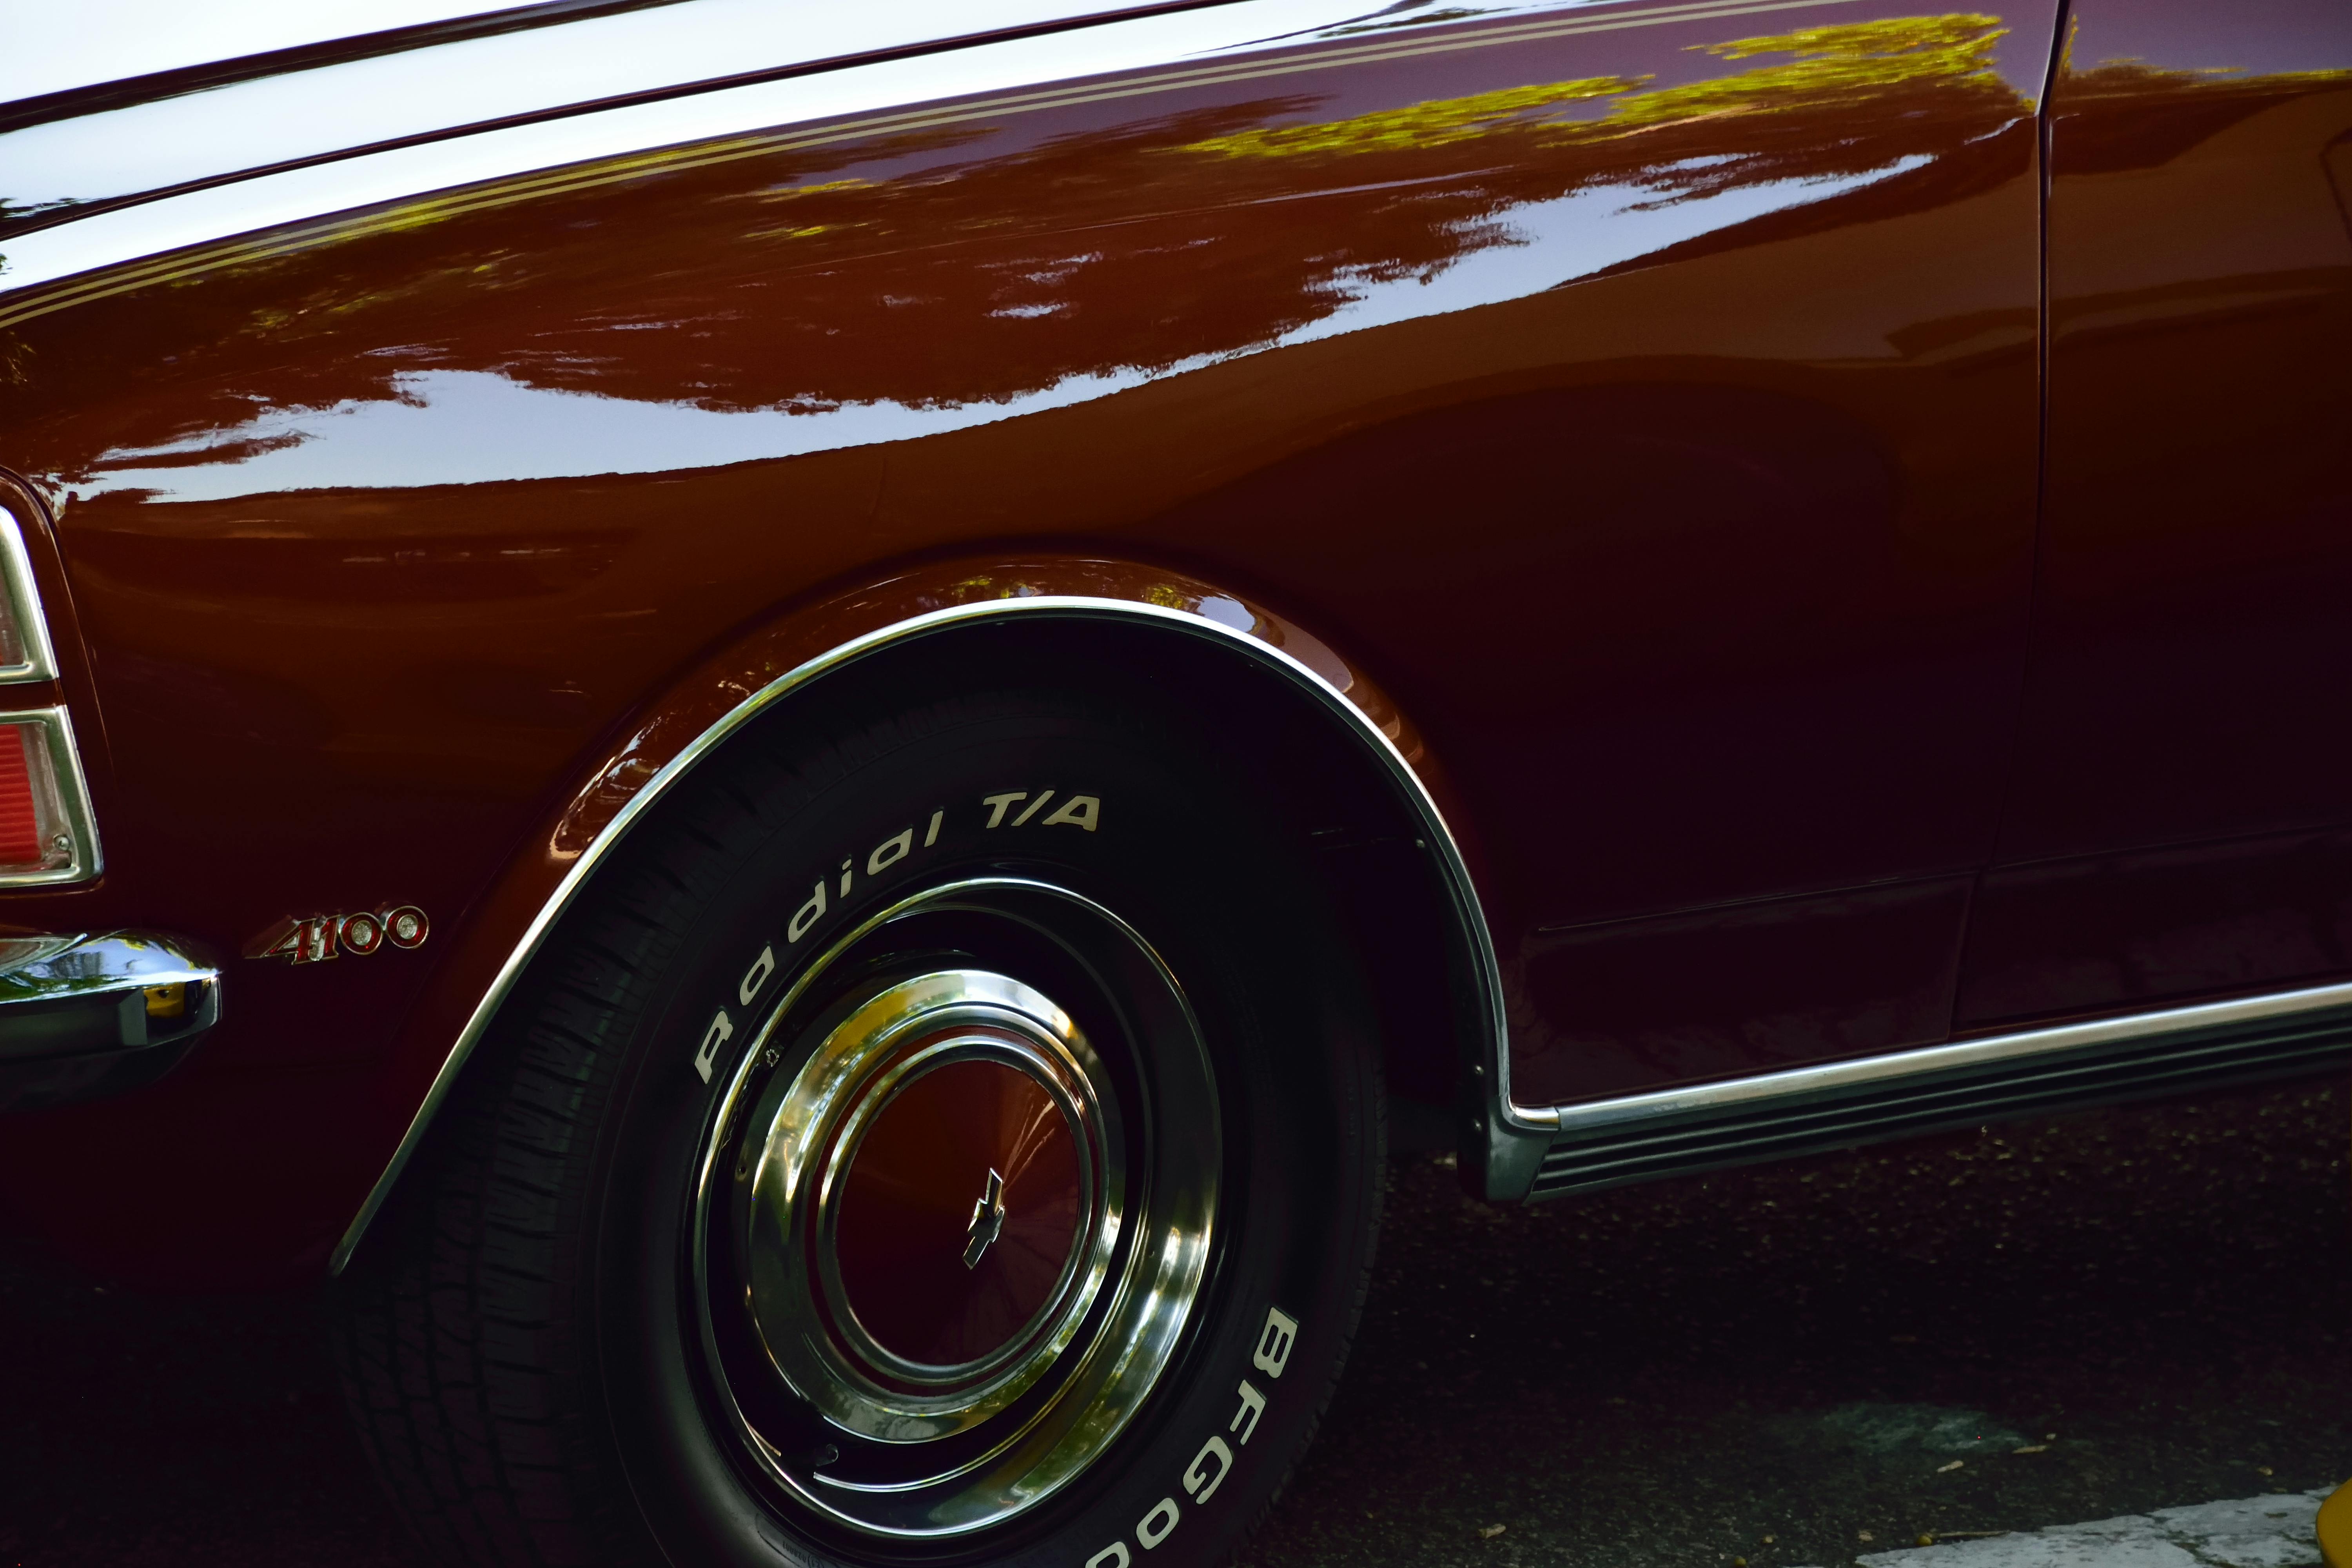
(530, 1341)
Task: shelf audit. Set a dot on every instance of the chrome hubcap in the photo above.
(974, 1159)
(901, 1304)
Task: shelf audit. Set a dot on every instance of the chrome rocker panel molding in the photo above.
(1836, 1105)
(1506, 1142)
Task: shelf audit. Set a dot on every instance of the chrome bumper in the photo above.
(90, 1016)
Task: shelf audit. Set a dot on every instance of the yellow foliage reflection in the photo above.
(1833, 69)
(1436, 123)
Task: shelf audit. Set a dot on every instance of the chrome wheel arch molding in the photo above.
(1502, 1140)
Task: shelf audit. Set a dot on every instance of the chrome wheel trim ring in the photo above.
(1023, 1455)
(815, 1130)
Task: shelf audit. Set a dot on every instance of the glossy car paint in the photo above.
(2171, 829)
(1651, 407)
(66, 155)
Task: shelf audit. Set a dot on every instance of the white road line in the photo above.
(2273, 1532)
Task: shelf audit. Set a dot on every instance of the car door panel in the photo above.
(1724, 991)
(2179, 770)
(2139, 928)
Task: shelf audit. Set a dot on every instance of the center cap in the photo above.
(931, 1204)
(959, 1212)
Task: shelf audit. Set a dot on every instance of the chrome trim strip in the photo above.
(1440, 838)
(1828, 1077)
(40, 660)
(62, 169)
(243, 44)
(73, 796)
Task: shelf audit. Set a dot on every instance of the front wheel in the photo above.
(948, 1135)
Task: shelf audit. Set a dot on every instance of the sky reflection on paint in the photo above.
(463, 427)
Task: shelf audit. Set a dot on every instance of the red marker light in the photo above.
(44, 836)
(21, 841)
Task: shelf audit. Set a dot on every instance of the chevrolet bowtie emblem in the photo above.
(987, 1219)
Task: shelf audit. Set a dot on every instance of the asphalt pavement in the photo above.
(1801, 1364)
(2096, 1319)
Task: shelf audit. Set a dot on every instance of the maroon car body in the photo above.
(1844, 509)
